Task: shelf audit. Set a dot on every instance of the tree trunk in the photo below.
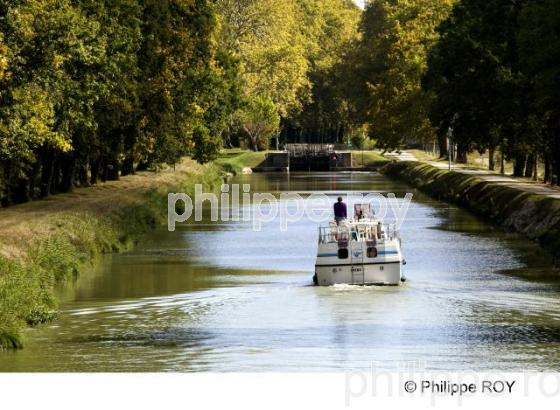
(94, 167)
(255, 142)
(536, 168)
(20, 193)
(519, 165)
(103, 169)
(112, 170)
(142, 166)
(502, 160)
(547, 169)
(555, 179)
(442, 146)
(34, 178)
(461, 155)
(491, 161)
(68, 174)
(83, 175)
(127, 166)
(129, 142)
(4, 188)
(55, 181)
(47, 171)
(340, 134)
(529, 166)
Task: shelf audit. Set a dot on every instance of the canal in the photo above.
(221, 297)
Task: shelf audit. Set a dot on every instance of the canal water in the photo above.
(221, 297)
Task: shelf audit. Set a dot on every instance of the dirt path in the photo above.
(523, 184)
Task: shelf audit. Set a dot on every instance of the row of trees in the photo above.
(94, 89)
(330, 31)
(485, 72)
(495, 74)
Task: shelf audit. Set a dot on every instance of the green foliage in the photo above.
(178, 67)
(329, 27)
(482, 100)
(260, 120)
(59, 255)
(265, 36)
(359, 140)
(94, 89)
(387, 65)
(539, 55)
(25, 298)
(206, 146)
(3, 58)
(493, 77)
(290, 51)
(91, 89)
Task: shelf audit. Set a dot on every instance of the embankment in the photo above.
(235, 160)
(47, 242)
(533, 215)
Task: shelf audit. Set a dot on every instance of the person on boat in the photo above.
(340, 212)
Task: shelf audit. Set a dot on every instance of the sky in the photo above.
(359, 3)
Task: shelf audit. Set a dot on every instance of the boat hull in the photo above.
(388, 274)
(361, 252)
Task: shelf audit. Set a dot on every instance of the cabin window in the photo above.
(372, 252)
(343, 253)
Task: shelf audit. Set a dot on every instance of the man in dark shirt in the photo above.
(340, 212)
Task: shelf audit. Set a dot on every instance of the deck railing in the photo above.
(373, 232)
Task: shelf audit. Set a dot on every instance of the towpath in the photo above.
(523, 184)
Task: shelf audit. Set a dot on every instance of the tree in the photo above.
(329, 28)
(116, 111)
(3, 58)
(388, 64)
(539, 54)
(48, 97)
(265, 37)
(260, 120)
(475, 78)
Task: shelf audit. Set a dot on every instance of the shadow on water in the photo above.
(538, 264)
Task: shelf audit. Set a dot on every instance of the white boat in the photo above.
(359, 251)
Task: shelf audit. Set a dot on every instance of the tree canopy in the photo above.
(483, 71)
(95, 89)
(493, 74)
(387, 66)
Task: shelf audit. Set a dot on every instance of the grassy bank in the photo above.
(533, 215)
(47, 242)
(234, 160)
(368, 159)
